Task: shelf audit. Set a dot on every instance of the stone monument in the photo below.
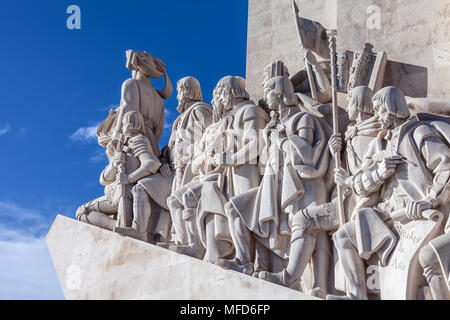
(334, 185)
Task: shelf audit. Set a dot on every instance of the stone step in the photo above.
(93, 263)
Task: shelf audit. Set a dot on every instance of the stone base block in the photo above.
(93, 263)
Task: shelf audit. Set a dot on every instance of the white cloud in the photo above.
(168, 125)
(99, 156)
(5, 129)
(26, 269)
(86, 134)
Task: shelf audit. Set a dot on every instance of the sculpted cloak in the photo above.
(294, 178)
(423, 141)
(187, 130)
(240, 131)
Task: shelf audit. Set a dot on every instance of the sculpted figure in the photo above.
(139, 176)
(301, 81)
(137, 158)
(309, 222)
(139, 95)
(231, 150)
(187, 131)
(243, 122)
(102, 212)
(209, 176)
(296, 160)
(406, 167)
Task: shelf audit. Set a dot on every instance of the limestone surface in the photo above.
(94, 263)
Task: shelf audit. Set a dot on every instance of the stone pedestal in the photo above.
(93, 263)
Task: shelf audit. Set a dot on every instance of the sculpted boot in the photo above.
(236, 265)
(433, 273)
(242, 243)
(302, 248)
(179, 225)
(353, 267)
(321, 261)
(142, 212)
(194, 248)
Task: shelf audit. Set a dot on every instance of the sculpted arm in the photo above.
(149, 164)
(306, 158)
(367, 181)
(129, 101)
(199, 154)
(437, 158)
(320, 78)
(108, 175)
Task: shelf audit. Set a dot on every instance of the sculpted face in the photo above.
(127, 129)
(217, 104)
(225, 98)
(351, 109)
(384, 116)
(181, 94)
(272, 98)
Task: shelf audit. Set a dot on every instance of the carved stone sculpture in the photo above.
(251, 187)
(138, 94)
(405, 175)
(139, 161)
(208, 175)
(291, 179)
(238, 164)
(102, 212)
(307, 223)
(435, 261)
(187, 130)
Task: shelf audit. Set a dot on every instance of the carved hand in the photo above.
(165, 170)
(415, 209)
(335, 143)
(275, 137)
(122, 178)
(112, 145)
(119, 158)
(388, 165)
(342, 178)
(309, 57)
(210, 150)
(221, 159)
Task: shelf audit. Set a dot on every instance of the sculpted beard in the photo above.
(181, 105)
(218, 112)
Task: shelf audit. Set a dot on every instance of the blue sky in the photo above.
(56, 85)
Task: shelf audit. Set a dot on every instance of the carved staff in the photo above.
(312, 84)
(337, 156)
(123, 214)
